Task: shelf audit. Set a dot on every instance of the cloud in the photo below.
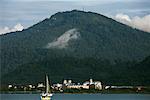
(46, 0)
(62, 41)
(17, 27)
(79, 2)
(142, 23)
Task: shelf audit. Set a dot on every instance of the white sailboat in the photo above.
(47, 95)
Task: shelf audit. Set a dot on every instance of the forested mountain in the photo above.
(76, 45)
(79, 70)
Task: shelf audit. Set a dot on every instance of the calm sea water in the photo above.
(78, 97)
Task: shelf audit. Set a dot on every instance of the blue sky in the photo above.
(29, 12)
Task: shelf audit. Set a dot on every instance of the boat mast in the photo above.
(47, 84)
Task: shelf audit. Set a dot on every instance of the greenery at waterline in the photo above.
(80, 70)
(80, 91)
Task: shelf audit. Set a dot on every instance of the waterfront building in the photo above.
(86, 85)
(40, 85)
(69, 81)
(15, 87)
(93, 84)
(98, 85)
(65, 82)
(30, 86)
(122, 87)
(78, 87)
(10, 86)
(57, 86)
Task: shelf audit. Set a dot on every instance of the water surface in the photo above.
(78, 97)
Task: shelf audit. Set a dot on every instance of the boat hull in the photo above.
(46, 98)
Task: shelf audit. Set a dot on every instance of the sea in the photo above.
(77, 97)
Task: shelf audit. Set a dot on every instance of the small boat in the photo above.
(47, 95)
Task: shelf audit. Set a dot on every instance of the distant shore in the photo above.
(80, 92)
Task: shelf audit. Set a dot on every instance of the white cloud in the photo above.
(142, 23)
(62, 41)
(17, 27)
(122, 17)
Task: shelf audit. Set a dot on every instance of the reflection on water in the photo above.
(78, 97)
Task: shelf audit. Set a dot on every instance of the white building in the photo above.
(40, 85)
(30, 86)
(10, 86)
(67, 82)
(78, 87)
(15, 87)
(97, 84)
(122, 87)
(86, 85)
(57, 86)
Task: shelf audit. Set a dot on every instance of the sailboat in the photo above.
(47, 95)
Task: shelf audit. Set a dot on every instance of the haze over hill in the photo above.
(81, 44)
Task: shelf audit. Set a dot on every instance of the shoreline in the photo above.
(35, 92)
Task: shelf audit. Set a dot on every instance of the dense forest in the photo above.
(79, 70)
(100, 48)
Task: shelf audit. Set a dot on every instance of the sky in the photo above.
(18, 14)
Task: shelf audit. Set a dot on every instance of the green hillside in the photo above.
(80, 70)
(76, 45)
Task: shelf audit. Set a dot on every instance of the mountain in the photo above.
(76, 45)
